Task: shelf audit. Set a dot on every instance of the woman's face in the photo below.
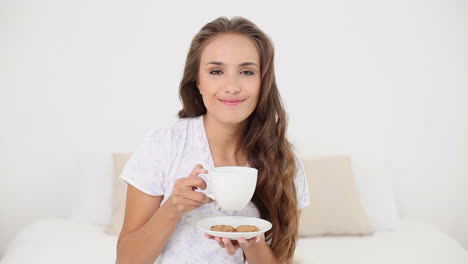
(229, 77)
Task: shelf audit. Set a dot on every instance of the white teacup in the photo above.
(231, 187)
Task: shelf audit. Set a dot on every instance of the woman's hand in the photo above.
(184, 198)
(232, 246)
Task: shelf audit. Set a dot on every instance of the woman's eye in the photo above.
(216, 72)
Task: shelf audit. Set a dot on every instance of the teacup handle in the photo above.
(207, 191)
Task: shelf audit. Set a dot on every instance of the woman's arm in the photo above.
(261, 253)
(146, 228)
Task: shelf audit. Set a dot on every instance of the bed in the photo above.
(352, 219)
(57, 241)
(414, 242)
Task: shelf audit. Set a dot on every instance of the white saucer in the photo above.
(235, 221)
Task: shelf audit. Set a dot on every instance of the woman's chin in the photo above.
(232, 118)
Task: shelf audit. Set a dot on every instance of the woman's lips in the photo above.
(232, 102)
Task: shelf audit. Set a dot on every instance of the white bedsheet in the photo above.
(413, 243)
(59, 241)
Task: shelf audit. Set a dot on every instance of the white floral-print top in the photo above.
(167, 154)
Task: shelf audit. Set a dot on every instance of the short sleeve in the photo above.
(146, 168)
(301, 184)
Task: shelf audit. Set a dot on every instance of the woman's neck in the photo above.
(224, 140)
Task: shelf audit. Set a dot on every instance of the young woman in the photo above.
(232, 115)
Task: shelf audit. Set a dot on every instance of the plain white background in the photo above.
(383, 81)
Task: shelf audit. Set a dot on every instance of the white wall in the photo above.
(384, 81)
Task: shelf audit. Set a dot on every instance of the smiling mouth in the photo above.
(232, 102)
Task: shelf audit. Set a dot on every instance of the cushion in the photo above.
(119, 194)
(335, 206)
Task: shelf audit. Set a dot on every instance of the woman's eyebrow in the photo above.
(241, 65)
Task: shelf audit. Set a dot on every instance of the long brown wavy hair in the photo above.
(264, 138)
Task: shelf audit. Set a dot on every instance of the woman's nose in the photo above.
(232, 85)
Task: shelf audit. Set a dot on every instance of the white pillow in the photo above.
(373, 181)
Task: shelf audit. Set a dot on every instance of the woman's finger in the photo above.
(229, 246)
(259, 239)
(188, 202)
(197, 170)
(209, 236)
(243, 243)
(220, 242)
(253, 240)
(197, 196)
(189, 183)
